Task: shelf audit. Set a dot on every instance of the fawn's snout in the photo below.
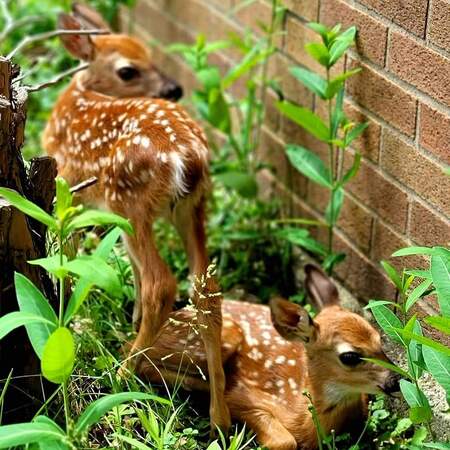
(170, 89)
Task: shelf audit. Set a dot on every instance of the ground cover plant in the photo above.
(245, 241)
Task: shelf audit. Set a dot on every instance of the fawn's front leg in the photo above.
(189, 220)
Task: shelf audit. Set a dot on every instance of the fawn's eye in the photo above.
(128, 73)
(350, 359)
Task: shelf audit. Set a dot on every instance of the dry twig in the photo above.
(83, 185)
(56, 79)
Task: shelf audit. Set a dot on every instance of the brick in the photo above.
(385, 242)
(272, 152)
(380, 195)
(308, 9)
(360, 275)
(439, 24)
(428, 228)
(160, 26)
(223, 4)
(418, 172)
(369, 142)
(246, 15)
(434, 132)
(410, 14)
(354, 220)
(297, 35)
(381, 96)
(371, 39)
(418, 65)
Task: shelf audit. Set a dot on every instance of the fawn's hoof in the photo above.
(220, 420)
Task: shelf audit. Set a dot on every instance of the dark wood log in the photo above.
(21, 240)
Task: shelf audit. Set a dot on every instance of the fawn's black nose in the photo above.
(392, 384)
(172, 91)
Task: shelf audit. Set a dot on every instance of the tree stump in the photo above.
(21, 239)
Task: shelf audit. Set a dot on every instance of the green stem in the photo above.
(257, 135)
(331, 164)
(61, 324)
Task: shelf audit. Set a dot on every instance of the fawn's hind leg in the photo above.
(188, 218)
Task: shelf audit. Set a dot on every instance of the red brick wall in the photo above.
(401, 195)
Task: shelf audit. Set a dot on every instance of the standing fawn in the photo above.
(151, 160)
(272, 355)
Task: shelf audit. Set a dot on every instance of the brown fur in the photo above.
(151, 160)
(266, 374)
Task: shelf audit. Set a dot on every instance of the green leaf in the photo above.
(27, 433)
(374, 303)
(28, 208)
(437, 445)
(417, 401)
(52, 264)
(209, 77)
(299, 236)
(318, 28)
(16, 319)
(218, 112)
(393, 275)
(415, 360)
(352, 171)
(331, 260)
(334, 206)
(414, 251)
(440, 273)
(315, 83)
(426, 341)
(59, 356)
(338, 82)
(50, 444)
(242, 182)
(97, 272)
(83, 285)
(341, 44)
(416, 294)
(389, 366)
(440, 323)
(305, 118)
(92, 217)
(214, 446)
(250, 60)
(32, 301)
(319, 52)
(439, 366)
(63, 197)
(355, 132)
(388, 321)
(309, 164)
(95, 411)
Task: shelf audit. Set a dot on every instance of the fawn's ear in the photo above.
(292, 321)
(89, 17)
(80, 46)
(320, 287)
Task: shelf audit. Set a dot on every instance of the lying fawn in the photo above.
(151, 160)
(269, 364)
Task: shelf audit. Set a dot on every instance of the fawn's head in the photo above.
(119, 65)
(336, 341)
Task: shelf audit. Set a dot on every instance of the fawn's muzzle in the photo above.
(172, 91)
(392, 384)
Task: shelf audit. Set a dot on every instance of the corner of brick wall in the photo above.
(401, 195)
